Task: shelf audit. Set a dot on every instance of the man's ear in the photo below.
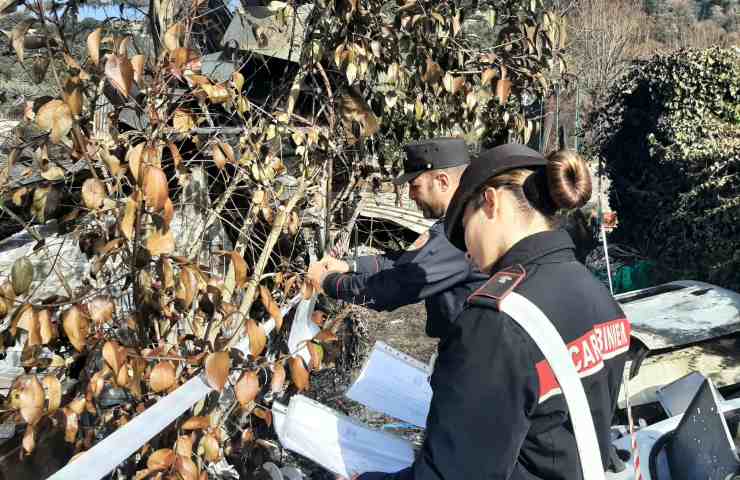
(490, 202)
(445, 182)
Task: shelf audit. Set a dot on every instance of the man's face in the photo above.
(426, 192)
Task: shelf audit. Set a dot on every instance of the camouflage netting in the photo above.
(669, 134)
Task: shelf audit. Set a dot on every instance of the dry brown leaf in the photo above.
(3, 308)
(196, 423)
(257, 338)
(354, 109)
(95, 386)
(156, 191)
(168, 212)
(93, 193)
(114, 355)
(247, 388)
(298, 373)
(93, 45)
(184, 446)
(56, 117)
(182, 121)
(174, 36)
(53, 388)
(185, 58)
(217, 369)
(211, 449)
(25, 318)
(264, 414)
(167, 273)
(238, 80)
(28, 320)
(186, 288)
(29, 439)
(137, 63)
(75, 325)
(78, 405)
(161, 459)
(186, 468)
(278, 378)
(18, 35)
(47, 328)
(120, 73)
(71, 61)
(176, 157)
(19, 195)
(71, 424)
(21, 275)
(128, 223)
(72, 95)
(134, 158)
(162, 377)
(101, 309)
(31, 399)
(271, 306)
(294, 223)
(123, 377)
(160, 243)
(503, 89)
(217, 93)
(219, 158)
(487, 76)
(240, 269)
(53, 173)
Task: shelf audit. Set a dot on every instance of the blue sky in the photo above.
(101, 13)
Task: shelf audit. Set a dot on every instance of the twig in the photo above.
(277, 228)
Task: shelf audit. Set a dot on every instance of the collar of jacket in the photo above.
(554, 244)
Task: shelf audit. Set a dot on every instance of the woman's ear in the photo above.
(490, 202)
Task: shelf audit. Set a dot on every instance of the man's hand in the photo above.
(318, 271)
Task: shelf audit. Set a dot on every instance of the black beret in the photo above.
(432, 154)
(487, 164)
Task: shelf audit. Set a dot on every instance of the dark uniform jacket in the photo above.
(435, 272)
(497, 411)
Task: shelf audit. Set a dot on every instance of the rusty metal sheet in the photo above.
(717, 359)
(283, 42)
(681, 313)
(383, 206)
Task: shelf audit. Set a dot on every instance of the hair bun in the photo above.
(568, 179)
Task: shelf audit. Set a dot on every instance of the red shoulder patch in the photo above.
(499, 286)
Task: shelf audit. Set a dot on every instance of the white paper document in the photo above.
(303, 329)
(339, 443)
(395, 384)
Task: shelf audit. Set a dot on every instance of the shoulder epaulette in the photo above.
(498, 286)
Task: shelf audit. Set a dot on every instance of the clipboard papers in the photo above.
(390, 382)
(395, 384)
(337, 442)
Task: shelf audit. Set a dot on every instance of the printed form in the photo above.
(395, 384)
(339, 443)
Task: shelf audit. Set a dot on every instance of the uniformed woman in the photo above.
(497, 410)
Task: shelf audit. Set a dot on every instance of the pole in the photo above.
(578, 114)
(542, 121)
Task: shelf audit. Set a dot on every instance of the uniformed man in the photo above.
(497, 410)
(432, 270)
